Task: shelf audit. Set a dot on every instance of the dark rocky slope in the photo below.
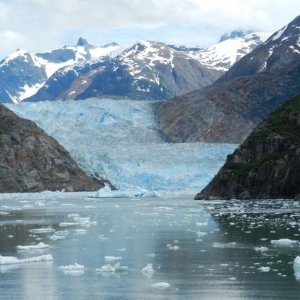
(228, 110)
(267, 164)
(32, 161)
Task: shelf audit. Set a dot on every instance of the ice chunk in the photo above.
(175, 248)
(261, 249)
(42, 230)
(297, 267)
(148, 269)
(110, 268)
(264, 269)
(30, 247)
(6, 260)
(112, 258)
(160, 285)
(75, 269)
(71, 267)
(283, 242)
(67, 224)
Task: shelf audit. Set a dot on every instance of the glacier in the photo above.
(120, 140)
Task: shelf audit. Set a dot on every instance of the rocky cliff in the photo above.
(267, 164)
(32, 161)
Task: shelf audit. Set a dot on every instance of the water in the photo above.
(216, 258)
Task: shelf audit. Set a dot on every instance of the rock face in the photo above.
(228, 110)
(267, 164)
(32, 161)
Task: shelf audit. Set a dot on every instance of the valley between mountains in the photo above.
(155, 116)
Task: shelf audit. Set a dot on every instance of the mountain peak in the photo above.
(82, 42)
(234, 34)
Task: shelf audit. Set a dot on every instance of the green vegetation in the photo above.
(243, 169)
(283, 121)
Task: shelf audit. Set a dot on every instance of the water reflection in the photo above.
(197, 249)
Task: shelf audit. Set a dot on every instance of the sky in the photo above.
(41, 25)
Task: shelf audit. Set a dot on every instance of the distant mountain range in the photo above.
(22, 73)
(147, 70)
(228, 110)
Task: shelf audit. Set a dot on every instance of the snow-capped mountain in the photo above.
(225, 54)
(279, 49)
(22, 73)
(234, 34)
(152, 71)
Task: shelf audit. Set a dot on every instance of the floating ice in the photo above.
(261, 249)
(283, 242)
(67, 224)
(109, 268)
(297, 267)
(112, 258)
(6, 260)
(42, 230)
(148, 269)
(160, 285)
(71, 267)
(75, 269)
(175, 248)
(264, 269)
(31, 247)
(200, 234)
(136, 192)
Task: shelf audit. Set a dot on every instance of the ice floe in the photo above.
(75, 269)
(264, 269)
(112, 258)
(283, 242)
(109, 268)
(148, 269)
(6, 260)
(33, 247)
(160, 285)
(42, 230)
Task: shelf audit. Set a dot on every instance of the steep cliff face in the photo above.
(267, 164)
(32, 161)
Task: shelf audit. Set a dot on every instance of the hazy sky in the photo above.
(40, 25)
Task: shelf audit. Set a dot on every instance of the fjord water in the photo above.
(199, 250)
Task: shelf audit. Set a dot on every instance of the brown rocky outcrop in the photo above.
(32, 161)
(267, 164)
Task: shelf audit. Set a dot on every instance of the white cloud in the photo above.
(42, 24)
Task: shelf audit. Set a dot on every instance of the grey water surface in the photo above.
(198, 250)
